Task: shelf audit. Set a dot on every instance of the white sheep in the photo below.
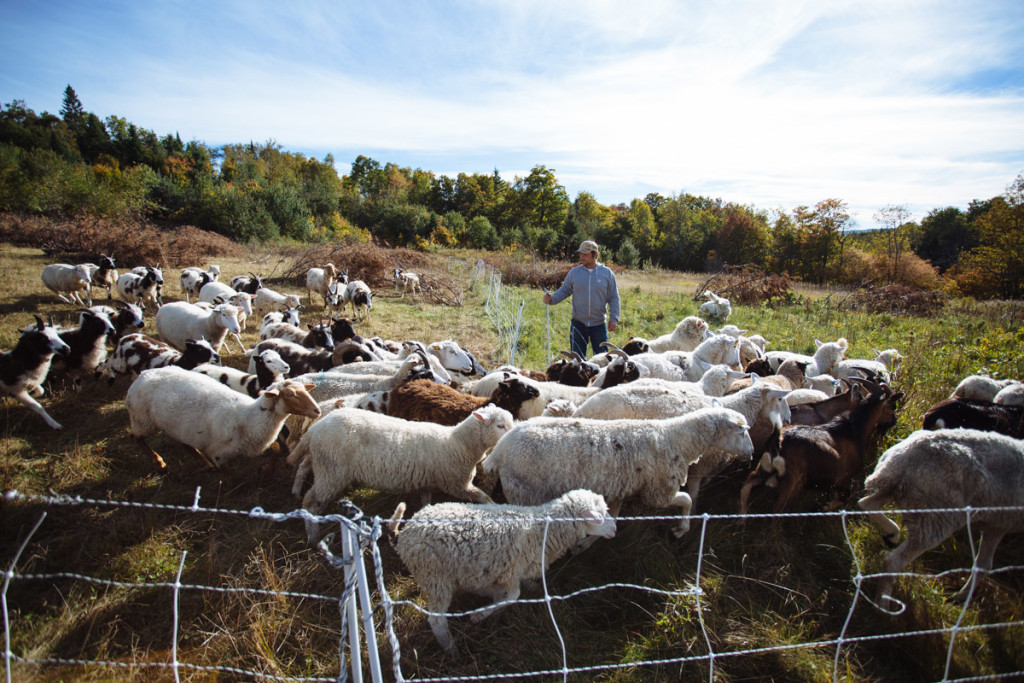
(217, 423)
(180, 320)
(715, 306)
(490, 549)
(320, 280)
(69, 282)
(214, 293)
(327, 385)
(824, 361)
(543, 458)
(686, 336)
(883, 365)
(350, 446)
(947, 469)
(267, 300)
(270, 369)
(980, 387)
(1011, 395)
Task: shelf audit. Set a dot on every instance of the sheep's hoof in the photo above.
(680, 531)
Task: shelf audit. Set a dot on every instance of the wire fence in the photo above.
(364, 597)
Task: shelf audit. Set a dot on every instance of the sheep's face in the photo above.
(296, 399)
(272, 361)
(452, 356)
(496, 421)
(227, 316)
(51, 340)
(593, 511)
(735, 437)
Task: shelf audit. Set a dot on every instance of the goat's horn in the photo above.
(577, 357)
(567, 354)
(609, 345)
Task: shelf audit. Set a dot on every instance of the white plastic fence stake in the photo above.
(3, 594)
(175, 665)
(351, 612)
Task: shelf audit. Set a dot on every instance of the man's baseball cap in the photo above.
(588, 246)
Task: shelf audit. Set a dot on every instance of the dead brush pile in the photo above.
(83, 239)
(535, 274)
(896, 299)
(375, 266)
(747, 284)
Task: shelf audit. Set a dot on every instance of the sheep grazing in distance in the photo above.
(951, 413)
(179, 321)
(490, 549)
(829, 456)
(23, 368)
(270, 369)
(427, 401)
(686, 336)
(138, 288)
(359, 295)
(69, 282)
(87, 346)
(320, 280)
(981, 387)
(137, 352)
(949, 469)
(716, 306)
(409, 281)
(218, 424)
(250, 284)
(543, 458)
(194, 279)
(349, 446)
(104, 275)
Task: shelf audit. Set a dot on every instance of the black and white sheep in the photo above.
(137, 352)
(490, 549)
(359, 295)
(543, 458)
(217, 423)
(321, 280)
(104, 275)
(23, 368)
(71, 284)
(87, 346)
(137, 287)
(126, 319)
(193, 279)
(408, 280)
(350, 446)
(270, 369)
(249, 284)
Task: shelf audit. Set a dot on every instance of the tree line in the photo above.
(76, 163)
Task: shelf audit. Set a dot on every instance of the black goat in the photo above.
(970, 413)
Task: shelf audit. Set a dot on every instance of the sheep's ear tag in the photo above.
(309, 387)
(715, 403)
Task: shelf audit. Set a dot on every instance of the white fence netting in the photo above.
(366, 609)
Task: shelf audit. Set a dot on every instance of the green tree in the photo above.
(1000, 254)
(539, 201)
(824, 229)
(944, 235)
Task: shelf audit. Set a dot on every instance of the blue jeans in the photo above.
(580, 334)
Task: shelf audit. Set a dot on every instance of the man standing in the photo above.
(593, 289)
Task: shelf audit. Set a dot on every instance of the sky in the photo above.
(772, 104)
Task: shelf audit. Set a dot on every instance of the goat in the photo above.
(408, 280)
(249, 284)
(969, 413)
(830, 455)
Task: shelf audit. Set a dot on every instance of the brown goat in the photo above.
(829, 456)
(820, 412)
(952, 413)
(427, 401)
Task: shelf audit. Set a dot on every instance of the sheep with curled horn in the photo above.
(573, 370)
(620, 370)
(657, 365)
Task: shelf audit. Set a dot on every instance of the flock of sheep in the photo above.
(565, 448)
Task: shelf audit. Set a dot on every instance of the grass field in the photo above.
(766, 583)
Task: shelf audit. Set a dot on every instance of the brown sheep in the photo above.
(425, 401)
(788, 377)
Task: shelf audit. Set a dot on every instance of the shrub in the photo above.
(748, 285)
